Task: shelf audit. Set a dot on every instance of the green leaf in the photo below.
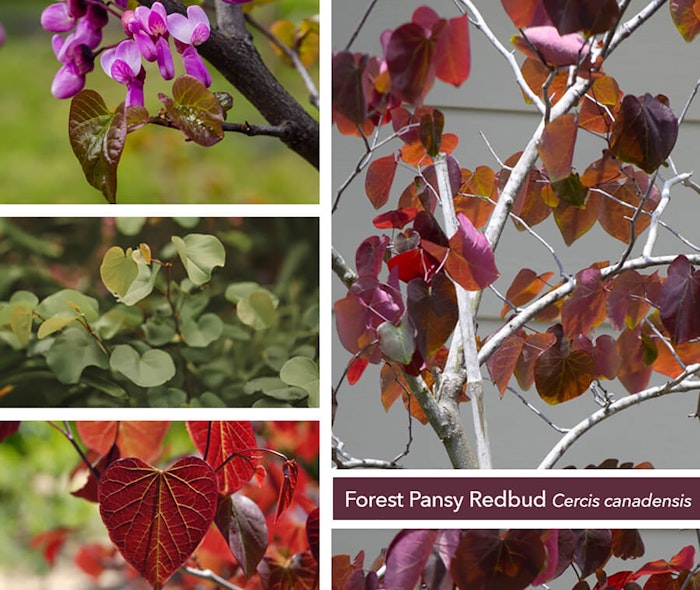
(153, 368)
(105, 385)
(142, 286)
(72, 352)
(166, 397)
(263, 384)
(97, 137)
(130, 226)
(258, 310)
(54, 324)
(195, 111)
(118, 270)
(201, 333)
(397, 342)
(116, 319)
(237, 291)
(69, 303)
(208, 400)
(187, 222)
(302, 372)
(200, 254)
(159, 331)
(21, 323)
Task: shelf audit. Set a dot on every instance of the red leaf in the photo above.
(369, 257)
(502, 363)
(685, 17)
(156, 518)
(680, 301)
(433, 311)
(627, 543)
(350, 85)
(591, 16)
(290, 469)
(380, 177)
(526, 13)
(51, 542)
(628, 302)
(585, 309)
(593, 550)
(312, 526)
(296, 572)
(406, 557)
(218, 442)
(477, 189)
(683, 560)
(409, 56)
(644, 132)
(556, 146)
(8, 429)
(525, 287)
(470, 260)
(557, 50)
(452, 54)
(599, 107)
(134, 439)
(606, 357)
(242, 524)
(89, 490)
(484, 559)
(356, 370)
(534, 346)
(637, 354)
(394, 386)
(92, 559)
(413, 264)
(562, 374)
(395, 219)
(573, 221)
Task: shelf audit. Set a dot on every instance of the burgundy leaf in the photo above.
(433, 311)
(644, 132)
(290, 470)
(592, 550)
(409, 56)
(406, 557)
(591, 16)
(312, 526)
(369, 257)
(585, 309)
(156, 518)
(8, 429)
(680, 301)
(349, 93)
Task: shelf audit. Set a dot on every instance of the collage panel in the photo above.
(91, 505)
(512, 286)
(515, 559)
(159, 102)
(139, 312)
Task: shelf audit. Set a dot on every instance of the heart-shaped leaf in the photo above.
(409, 57)
(258, 310)
(591, 16)
(72, 352)
(243, 525)
(153, 368)
(202, 332)
(407, 555)
(200, 254)
(563, 375)
(433, 311)
(134, 438)
(680, 295)
(195, 111)
(67, 303)
(397, 342)
(97, 137)
(686, 18)
(220, 441)
(156, 518)
(142, 286)
(118, 270)
(379, 178)
(556, 146)
(644, 132)
(302, 372)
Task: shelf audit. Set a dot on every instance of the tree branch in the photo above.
(231, 51)
(678, 385)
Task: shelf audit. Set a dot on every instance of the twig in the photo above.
(361, 24)
(680, 384)
(537, 412)
(342, 270)
(656, 215)
(210, 576)
(343, 460)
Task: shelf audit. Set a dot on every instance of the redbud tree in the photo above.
(618, 331)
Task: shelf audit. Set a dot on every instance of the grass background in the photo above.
(37, 164)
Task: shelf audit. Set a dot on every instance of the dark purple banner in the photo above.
(527, 498)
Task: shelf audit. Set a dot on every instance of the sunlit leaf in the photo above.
(686, 18)
(153, 367)
(526, 285)
(503, 361)
(556, 50)
(200, 254)
(394, 386)
(615, 213)
(556, 146)
(452, 52)
(526, 13)
(290, 473)
(118, 270)
(156, 518)
(378, 181)
(134, 438)
(195, 111)
(97, 137)
(220, 441)
(476, 195)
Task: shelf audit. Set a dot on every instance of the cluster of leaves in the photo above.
(406, 328)
(197, 512)
(513, 560)
(170, 337)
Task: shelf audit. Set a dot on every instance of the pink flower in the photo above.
(123, 64)
(193, 29)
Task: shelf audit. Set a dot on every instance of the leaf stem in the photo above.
(68, 433)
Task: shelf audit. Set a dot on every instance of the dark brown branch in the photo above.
(235, 56)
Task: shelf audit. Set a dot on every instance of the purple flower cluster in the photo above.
(147, 33)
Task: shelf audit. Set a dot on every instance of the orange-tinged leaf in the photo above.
(394, 386)
(533, 347)
(637, 355)
(573, 221)
(230, 444)
(526, 285)
(415, 154)
(686, 17)
(502, 362)
(433, 311)
(141, 439)
(556, 146)
(476, 195)
(50, 542)
(156, 518)
(599, 106)
(452, 53)
(296, 572)
(614, 214)
(536, 74)
(529, 204)
(585, 308)
(380, 177)
(521, 12)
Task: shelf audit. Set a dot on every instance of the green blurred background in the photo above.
(37, 164)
